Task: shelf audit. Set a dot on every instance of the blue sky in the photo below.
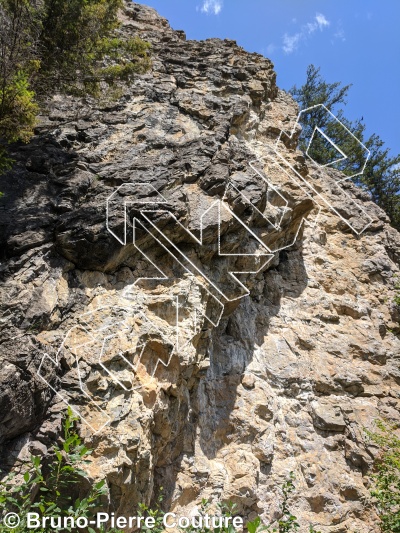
(353, 41)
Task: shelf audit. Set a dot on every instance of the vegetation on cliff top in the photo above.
(58, 45)
(49, 46)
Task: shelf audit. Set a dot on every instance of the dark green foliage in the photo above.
(76, 36)
(157, 513)
(59, 45)
(5, 163)
(256, 526)
(386, 476)
(381, 176)
(50, 490)
(19, 28)
(288, 522)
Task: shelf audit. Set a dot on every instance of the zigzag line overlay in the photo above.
(98, 422)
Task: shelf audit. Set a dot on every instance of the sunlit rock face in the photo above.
(200, 384)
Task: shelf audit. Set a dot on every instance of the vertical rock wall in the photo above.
(289, 375)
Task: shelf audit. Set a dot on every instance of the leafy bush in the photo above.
(157, 513)
(386, 476)
(51, 493)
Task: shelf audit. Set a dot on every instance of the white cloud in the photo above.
(212, 6)
(321, 21)
(292, 42)
(271, 48)
(340, 35)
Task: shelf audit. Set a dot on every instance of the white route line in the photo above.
(265, 252)
(199, 241)
(93, 339)
(322, 106)
(324, 200)
(161, 200)
(105, 419)
(270, 184)
(279, 159)
(164, 277)
(344, 156)
(365, 150)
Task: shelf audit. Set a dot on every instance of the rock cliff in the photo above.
(209, 385)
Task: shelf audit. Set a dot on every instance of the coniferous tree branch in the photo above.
(381, 176)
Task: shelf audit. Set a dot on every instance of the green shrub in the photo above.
(157, 513)
(386, 476)
(52, 493)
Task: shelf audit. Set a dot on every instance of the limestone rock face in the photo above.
(188, 383)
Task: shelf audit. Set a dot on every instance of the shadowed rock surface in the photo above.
(291, 374)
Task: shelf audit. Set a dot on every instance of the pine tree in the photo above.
(381, 175)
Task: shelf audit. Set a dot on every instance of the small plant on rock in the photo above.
(396, 298)
(49, 491)
(386, 476)
(288, 521)
(157, 513)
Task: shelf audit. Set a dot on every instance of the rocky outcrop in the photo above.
(283, 379)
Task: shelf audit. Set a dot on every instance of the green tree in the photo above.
(19, 28)
(76, 35)
(381, 175)
(58, 45)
